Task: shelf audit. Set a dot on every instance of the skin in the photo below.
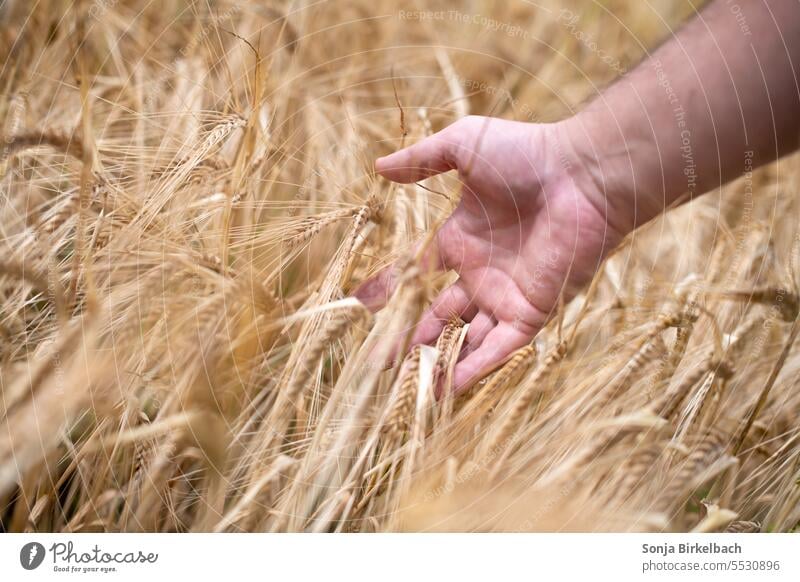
(543, 204)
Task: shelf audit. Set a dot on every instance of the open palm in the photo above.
(525, 231)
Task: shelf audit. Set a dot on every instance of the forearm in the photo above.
(722, 91)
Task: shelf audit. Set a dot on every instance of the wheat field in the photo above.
(188, 203)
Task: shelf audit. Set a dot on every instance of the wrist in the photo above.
(614, 167)
(595, 174)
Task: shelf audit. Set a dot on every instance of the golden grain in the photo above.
(183, 228)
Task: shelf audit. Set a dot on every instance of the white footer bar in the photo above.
(406, 557)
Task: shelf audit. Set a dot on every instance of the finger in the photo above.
(375, 292)
(497, 345)
(479, 328)
(433, 155)
(452, 302)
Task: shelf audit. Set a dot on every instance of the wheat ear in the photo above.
(708, 450)
(521, 405)
(399, 415)
(332, 330)
(743, 527)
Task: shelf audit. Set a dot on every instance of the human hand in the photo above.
(530, 226)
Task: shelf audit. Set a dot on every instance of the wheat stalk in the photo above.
(176, 323)
(521, 404)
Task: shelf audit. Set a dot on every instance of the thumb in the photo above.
(433, 155)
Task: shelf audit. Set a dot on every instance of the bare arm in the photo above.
(723, 90)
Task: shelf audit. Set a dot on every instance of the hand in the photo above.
(530, 224)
